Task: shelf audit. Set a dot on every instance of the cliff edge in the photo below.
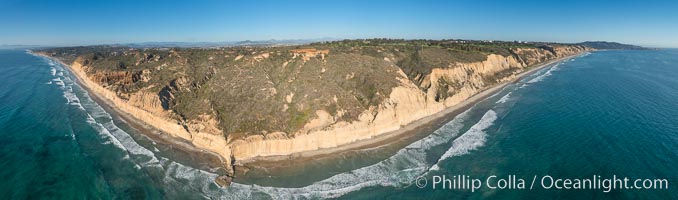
(249, 102)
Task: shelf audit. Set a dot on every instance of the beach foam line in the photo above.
(58, 82)
(472, 139)
(107, 129)
(103, 122)
(544, 75)
(504, 98)
(66, 86)
(399, 170)
(176, 175)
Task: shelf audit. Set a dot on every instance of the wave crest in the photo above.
(473, 138)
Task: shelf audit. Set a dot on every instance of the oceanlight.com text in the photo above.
(547, 182)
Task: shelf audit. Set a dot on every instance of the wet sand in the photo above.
(206, 160)
(399, 138)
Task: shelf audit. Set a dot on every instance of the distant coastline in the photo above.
(377, 140)
(386, 138)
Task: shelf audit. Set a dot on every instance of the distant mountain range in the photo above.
(237, 98)
(610, 45)
(273, 42)
(18, 46)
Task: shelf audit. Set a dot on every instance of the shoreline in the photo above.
(377, 141)
(212, 159)
(390, 137)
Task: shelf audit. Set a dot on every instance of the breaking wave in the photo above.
(399, 170)
(504, 98)
(175, 174)
(544, 75)
(473, 138)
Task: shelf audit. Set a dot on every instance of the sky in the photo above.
(87, 22)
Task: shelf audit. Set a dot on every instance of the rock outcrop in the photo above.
(244, 103)
(447, 86)
(146, 108)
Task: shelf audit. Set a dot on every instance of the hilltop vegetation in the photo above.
(611, 45)
(259, 90)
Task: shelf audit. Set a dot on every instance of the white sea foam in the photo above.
(71, 97)
(105, 133)
(58, 82)
(101, 121)
(66, 86)
(473, 138)
(505, 98)
(131, 145)
(399, 170)
(107, 129)
(176, 173)
(544, 75)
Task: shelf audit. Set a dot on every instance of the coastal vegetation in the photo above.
(258, 90)
(611, 45)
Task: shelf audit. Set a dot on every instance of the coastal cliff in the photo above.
(244, 103)
(446, 86)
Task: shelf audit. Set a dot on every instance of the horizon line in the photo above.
(319, 39)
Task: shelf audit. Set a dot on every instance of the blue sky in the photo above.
(79, 22)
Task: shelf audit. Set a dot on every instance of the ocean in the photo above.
(602, 115)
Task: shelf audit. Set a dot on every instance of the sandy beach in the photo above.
(207, 159)
(405, 134)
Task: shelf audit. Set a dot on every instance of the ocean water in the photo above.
(605, 113)
(55, 141)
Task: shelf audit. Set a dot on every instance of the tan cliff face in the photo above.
(405, 104)
(272, 102)
(146, 108)
(531, 56)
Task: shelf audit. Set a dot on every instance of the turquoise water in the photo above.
(607, 113)
(56, 142)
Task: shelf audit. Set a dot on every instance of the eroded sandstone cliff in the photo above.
(246, 102)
